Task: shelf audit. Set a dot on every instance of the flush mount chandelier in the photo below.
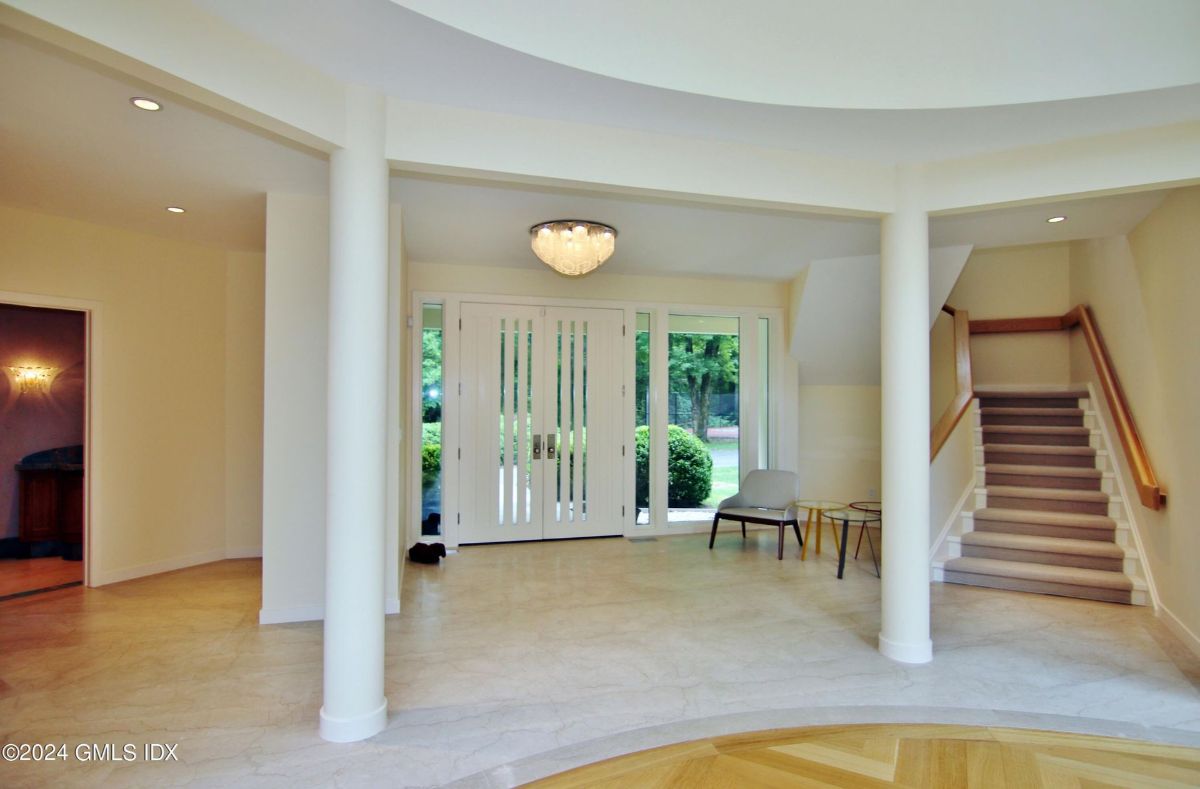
(573, 246)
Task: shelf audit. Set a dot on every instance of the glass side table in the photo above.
(846, 517)
(815, 509)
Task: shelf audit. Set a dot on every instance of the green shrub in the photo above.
(431, 451)
(689, 468)
(431, 462)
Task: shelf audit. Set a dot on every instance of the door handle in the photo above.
(537, 446)
(549, 446)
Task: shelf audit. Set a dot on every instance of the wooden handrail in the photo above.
(1150, 492)
(963, 386)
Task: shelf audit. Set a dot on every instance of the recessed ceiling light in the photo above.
(142, 103)
(174, 209)
(1056, 219)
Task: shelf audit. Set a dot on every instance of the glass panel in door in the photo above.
(500, 371)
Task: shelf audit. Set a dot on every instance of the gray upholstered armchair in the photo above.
(765, 496)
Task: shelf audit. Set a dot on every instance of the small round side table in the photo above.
(846, 517)
(816, 509)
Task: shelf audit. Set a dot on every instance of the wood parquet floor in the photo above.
(23, 575)
(919, 756)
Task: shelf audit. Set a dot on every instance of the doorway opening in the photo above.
(539, 415)
(43, 427)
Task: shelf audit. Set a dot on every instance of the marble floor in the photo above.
(511, 662)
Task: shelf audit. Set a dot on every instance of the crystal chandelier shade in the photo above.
(572, 246)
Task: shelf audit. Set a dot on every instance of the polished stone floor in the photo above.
(504, 653)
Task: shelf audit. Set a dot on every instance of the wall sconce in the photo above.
(32, 379)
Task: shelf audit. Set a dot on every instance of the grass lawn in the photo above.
(725, 477)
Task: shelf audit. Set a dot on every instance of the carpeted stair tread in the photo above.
(1065, 394)
(1036, 430)
(1073, 519)
(1006, 411)
(1047, 573)
(1043, 471)
(1039, 449)
(1055, 494)
(1029, 542)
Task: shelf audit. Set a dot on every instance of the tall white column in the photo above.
(904, 316)
(354, 706)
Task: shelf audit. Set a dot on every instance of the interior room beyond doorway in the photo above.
(43, 403)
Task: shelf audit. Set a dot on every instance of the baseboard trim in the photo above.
(955, 516)
(154, 568)
(354, 729)
(698, 527)
(1135, 531)
(311, 613)
(1181, 631)
(906, 652)
(296, 613)
(243, 553)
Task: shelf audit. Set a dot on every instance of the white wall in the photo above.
(839, 442)
(1017, 282)
(158, 477)
(295, 356)
(731, 292)
(951, 474)
(243, 403)
(1143, 291)
(295, 348)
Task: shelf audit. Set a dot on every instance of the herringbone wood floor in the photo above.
(918, 756)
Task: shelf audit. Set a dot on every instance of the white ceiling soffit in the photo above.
(416, 58)
(451, 221)
(877, 54)
(843, 294)
(945, 264)
(1095, 217)
(73, 145)
(454, 221)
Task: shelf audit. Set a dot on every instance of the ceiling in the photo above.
(71, 144)
(863, 54)
(485, 223)
(531, 72)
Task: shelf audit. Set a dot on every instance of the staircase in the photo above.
(1046, 518)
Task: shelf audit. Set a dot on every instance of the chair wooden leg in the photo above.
(779, 552)
(743, 530)
(796, 528)
(713, 537)
(807, 532)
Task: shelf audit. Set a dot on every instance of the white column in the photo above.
(354, 706)
(904, 346)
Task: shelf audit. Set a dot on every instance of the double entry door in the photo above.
(540, 422)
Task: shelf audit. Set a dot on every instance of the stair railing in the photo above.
(963, 386)
(1150, 492)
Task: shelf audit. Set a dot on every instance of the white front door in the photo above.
(540, 423)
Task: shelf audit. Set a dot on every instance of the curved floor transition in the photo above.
(912, 755)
